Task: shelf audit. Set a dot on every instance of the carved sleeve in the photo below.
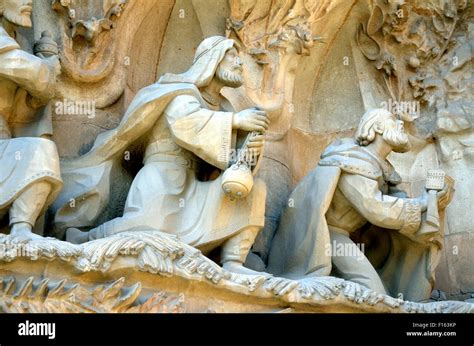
(204, 132)
(26, 70)
(403, 214)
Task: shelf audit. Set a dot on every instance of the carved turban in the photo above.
(209, 54)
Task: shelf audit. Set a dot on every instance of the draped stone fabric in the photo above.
(301, 247)
(165, 195)
(24, 160)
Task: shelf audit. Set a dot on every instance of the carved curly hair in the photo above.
(366, 131)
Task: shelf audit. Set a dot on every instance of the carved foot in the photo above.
(76, 236)
(238, 268)
(23, 235)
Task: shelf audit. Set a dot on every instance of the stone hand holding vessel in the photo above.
(237, 180)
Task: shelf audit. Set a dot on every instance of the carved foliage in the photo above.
(275, 34)
(411, 42)
(48, 296)
(162, 254)
(89, 43)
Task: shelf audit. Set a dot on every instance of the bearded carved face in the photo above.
(229, 71)
(18, 12)
(394, 135)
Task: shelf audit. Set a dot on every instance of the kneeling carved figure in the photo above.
(352, 195)
(188, 130)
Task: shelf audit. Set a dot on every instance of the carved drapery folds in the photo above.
(418, 51)
(424, 53)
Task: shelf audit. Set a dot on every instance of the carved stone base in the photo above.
(155, 272)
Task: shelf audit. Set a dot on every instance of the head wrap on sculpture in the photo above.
(208, 56)
(366, 132)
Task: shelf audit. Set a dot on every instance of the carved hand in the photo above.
(55, 69)
(54, 66)
(251, 120)
(255, 144)
(444, 196)
(423, 200)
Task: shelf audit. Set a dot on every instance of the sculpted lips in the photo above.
(238, 68)
(28, 9)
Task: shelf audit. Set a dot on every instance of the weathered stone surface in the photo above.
(311, 67)
(152, 272)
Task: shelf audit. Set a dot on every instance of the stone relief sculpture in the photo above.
(89, 46)
(206, 157)
(188, 133)
(354, 185)
(275, 38)
(428, 65)
(30, 177)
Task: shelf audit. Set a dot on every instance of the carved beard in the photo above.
(229, 78)
(397, 139)
(19, 19)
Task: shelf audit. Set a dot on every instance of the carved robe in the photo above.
(181, 135)
(26, 160)
(166, 194)
(344, 193)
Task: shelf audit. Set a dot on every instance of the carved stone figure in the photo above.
(29, 175)
(430, 65)
(162, 182)
(354, 185)
(190, 135)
